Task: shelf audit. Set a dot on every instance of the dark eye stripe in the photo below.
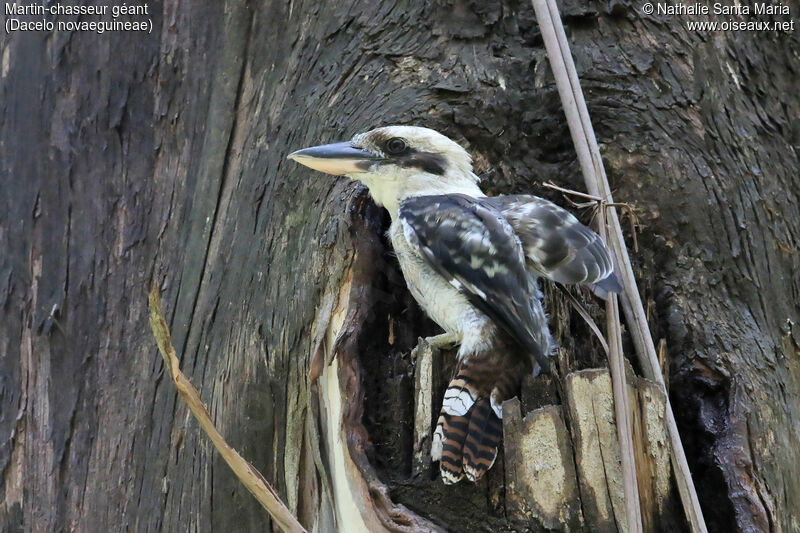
(408, 157)
(426, 161)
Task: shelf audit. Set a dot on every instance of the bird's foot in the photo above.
(443, 341)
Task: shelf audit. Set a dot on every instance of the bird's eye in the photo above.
(395, 145)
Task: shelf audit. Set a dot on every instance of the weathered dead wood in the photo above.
(427, 365)
(541, 486)
(541, 454)
(590, 404)
(589, 397)
(361, 499)
(658, 499)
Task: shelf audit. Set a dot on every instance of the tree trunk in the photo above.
(129, 157)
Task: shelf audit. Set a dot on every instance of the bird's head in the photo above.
(396, 162)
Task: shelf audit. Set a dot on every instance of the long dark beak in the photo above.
(338, 158)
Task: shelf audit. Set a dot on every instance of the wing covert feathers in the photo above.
(470, 244)
(557, 245)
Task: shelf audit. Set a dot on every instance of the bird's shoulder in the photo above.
(468, 225)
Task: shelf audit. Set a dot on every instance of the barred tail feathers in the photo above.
(470, 429)
(448, 444)
(483, 439)
(452, 427)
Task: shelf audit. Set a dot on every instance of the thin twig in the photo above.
(551, 185)
(594, 175)
(599, 203)
(548, 17)
(247, 473)
(586, 318)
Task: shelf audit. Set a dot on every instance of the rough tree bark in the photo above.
(128, 157)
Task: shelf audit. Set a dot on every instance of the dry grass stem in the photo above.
(588, 151)
(247, 473)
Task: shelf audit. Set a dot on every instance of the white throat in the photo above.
(390, 190)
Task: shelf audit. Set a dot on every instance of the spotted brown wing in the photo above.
(556, 244)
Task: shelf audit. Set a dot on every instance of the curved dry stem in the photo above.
(247, 473)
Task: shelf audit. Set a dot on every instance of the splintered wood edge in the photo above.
(592, 424)
(540, 471)
(426, 359)
(653, 453)
(244, 471)
(368, 493)
(590, 405)
(532, 489)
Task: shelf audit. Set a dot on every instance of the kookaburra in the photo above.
(472, 262)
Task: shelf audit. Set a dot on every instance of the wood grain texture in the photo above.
(541, 484)
(659, 499)
(590, 408)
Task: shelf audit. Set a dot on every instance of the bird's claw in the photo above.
(443, 341)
